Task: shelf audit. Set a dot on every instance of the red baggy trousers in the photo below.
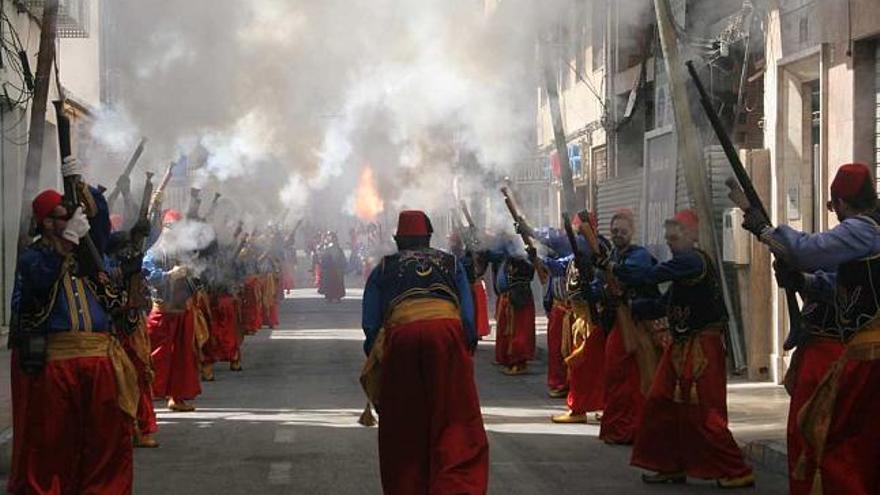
(586, 391)
(557, 373)
(514, 346)
(810, 362)
(431, 435)
(481, 309)
(624, 401)
(681, 435)
(72, 436)
(175, 357)
(225, 342)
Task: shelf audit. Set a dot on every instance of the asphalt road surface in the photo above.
(288, 425)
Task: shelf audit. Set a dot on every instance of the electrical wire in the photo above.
(587, 83)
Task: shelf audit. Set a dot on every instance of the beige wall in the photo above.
(79, 60)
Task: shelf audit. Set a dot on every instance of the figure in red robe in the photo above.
(74, 390)
(684, 430)
(431, 435)
(171, 323)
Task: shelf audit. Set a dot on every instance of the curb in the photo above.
(769, 455)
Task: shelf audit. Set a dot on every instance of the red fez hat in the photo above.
(45, 202)
(585, 214)
(413, 223)
(687, 219)
(170, 216)
(850, 180)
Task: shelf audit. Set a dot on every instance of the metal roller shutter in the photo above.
(877, 112)
(615, 194)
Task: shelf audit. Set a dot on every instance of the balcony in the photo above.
(73, 16)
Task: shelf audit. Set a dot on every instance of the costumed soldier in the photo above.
(630, 358)
(514, 309)
(684, 430)
(583, 340)
(171, 323)
(431, 435)
(74, 389)
(841, 435)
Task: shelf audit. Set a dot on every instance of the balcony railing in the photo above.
(73, 16)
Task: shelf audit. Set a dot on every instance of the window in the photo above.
(598, 34)
(600, 164)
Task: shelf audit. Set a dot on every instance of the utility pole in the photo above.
(45, 59)
(691, 158)
(550, 81)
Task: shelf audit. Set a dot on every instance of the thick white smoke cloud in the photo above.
(285, 102)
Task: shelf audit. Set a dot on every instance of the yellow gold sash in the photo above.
(200, 305)
(71, 345)
(814, 419)
(418, 309)
(580, 326)
(407, 311)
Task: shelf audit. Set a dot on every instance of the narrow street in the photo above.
(288, 424)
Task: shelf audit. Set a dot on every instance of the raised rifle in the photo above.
(471, 234)
(580, 259)
(195, 203)
(156, 200)
(213, 208)
(523, 228)
(75, 196)
(581, 262)
(111, 198)
(144, 212)
(138, 241)
(743, 194)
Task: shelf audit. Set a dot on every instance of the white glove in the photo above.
(77, 227)
(71, 166)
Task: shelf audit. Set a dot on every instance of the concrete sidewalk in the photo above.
(758, 416)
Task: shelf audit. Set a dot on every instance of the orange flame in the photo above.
(367, 202)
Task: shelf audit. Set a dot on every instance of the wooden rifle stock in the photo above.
(86, 250)
(156, 200)
(525, 231)
(580, 260)
(144, 213)
(472, 238)
(111, 198)
(748, 193)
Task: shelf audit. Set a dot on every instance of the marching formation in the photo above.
(115, 311)
(635, 344)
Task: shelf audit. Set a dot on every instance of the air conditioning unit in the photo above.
(737, 243)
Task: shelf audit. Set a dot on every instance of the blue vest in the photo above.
(858, 285)
(420, 273)
(820, 319)
(696, 303)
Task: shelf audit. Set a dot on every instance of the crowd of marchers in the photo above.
(635, 344)
(112, 312)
